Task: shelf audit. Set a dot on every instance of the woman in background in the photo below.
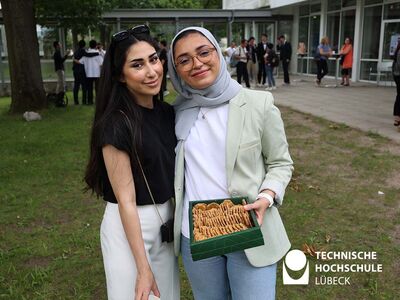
(347, 61)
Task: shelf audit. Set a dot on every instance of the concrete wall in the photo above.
(244, 4)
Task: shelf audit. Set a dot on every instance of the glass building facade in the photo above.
(373, 26)
(226, 25)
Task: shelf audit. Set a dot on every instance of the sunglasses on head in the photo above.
(124, 34)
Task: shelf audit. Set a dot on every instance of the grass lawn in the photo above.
(49, 228)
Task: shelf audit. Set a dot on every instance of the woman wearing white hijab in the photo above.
(231, 142)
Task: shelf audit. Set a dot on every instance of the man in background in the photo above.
(252, 63)
(79, 72)
(92, 69)
(228, 56)
(59, 67)
(285, 56)
(241, 67)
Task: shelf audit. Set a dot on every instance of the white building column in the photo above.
(357, 43)
(295, 40)
(61, 35)
(247, 30)
(322, 24)
(118, 24)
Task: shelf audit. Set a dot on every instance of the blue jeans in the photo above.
(230, 276)
(270, 75)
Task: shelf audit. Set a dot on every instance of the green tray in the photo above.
(228, 243)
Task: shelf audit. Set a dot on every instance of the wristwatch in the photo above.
(268, 197)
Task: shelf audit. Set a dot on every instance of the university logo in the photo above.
(295, 260)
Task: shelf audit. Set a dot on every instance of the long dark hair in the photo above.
(113, 97)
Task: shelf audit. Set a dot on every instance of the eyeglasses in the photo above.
(124, 34)
(185, 62)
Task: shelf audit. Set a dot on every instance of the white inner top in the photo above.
(205, 160)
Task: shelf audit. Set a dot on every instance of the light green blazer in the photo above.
(257, 157)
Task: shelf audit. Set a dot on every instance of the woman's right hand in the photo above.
(145, 283)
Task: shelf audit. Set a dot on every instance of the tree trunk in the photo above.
(27, 91)
(102, 29)
(74, 39)
(107, 36)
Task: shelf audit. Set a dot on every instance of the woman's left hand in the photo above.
(259, 206)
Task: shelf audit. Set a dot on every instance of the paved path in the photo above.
(362, 105)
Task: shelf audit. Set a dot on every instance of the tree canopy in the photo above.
(80, 15)
(77, 15)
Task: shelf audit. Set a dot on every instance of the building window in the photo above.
(316, 7)
(304, 10)
(392, 11)
(333, 5)
(371, 32)
(285, 28)
(390, 37)
(348, 24)
(332, 30)
(369, 2)
(268, 29)
(303, 41)
(347, 3)
(314, 35)
(367, 68)
(303, 31)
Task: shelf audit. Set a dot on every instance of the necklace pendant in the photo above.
(203, 117)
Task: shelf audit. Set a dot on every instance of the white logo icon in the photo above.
(295, 260)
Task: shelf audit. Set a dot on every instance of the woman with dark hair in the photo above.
(271, 60)
(396, 77)
(231, 143)
(131, 166)
(346, 60)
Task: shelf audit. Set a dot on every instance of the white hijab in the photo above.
(189, 100)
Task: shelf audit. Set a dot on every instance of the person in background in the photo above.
(346, 61)
(164, 61)
(324, 51)
(228, 56)
(396, 77)
(285, 55)
(301, 49)
(261, 50)
(101, 50)
(241, 67)
(249, 157)
(59, 67)
(131, 165)
(92, 69)
(252, 62)
(79, 72)
(269, 58)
